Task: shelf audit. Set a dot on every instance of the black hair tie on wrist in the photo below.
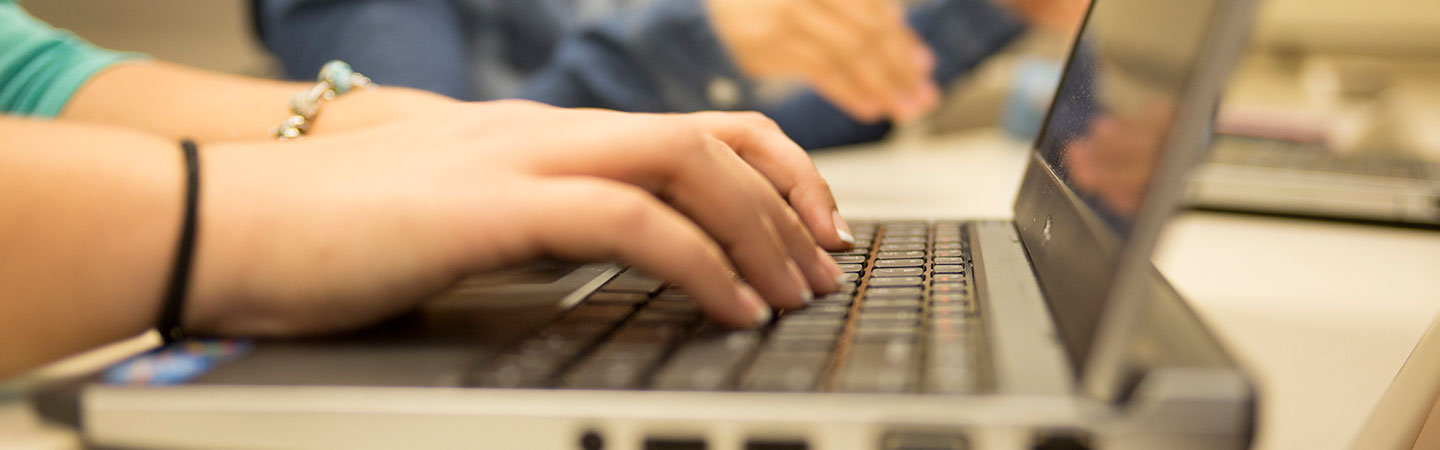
(173, 310)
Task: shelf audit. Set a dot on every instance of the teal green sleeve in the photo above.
(42, 67)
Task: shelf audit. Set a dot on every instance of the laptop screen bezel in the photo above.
(1061, 233)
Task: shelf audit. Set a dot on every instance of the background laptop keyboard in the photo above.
(905, 321)
(1274, 153)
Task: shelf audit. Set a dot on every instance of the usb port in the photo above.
(674, 444)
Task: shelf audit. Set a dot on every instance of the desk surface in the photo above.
(1323, 313)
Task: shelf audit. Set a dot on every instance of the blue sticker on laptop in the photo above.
(177, 363)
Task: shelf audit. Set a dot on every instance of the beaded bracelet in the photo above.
(336, 78)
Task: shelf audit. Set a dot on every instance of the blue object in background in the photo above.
(1030, 95)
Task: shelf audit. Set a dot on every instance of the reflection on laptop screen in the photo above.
(1113, 110)
(1112, 117)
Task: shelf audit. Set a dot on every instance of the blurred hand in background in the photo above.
(1062, 16)
(859, 54)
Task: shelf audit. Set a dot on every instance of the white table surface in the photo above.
(1322, 313)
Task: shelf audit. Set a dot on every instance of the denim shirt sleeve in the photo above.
(662, 57)
(962, 33)
(414, 43)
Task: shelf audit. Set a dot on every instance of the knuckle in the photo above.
(760, 120)
(630, 209)
(520, 103)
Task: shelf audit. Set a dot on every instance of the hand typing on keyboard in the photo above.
(374, 221)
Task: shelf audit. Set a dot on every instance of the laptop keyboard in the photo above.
(1246, 151)
(905, 321)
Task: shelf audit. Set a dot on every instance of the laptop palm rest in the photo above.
(430, 347)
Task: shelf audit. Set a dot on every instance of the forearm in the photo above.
(174, 101)
(87, 232)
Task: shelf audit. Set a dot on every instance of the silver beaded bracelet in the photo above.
(336, 78)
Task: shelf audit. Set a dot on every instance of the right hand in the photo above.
(858, 54)
(333, 232)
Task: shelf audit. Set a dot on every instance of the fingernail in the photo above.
(842, 228)
(748, 295)
(839, 281)
(799, 277)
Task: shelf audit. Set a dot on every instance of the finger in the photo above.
(674, 159)
(761, 143)
(596, 219)
(715, 191)
(907, 61)
(852, 52)
(820, 272)
(836, 86)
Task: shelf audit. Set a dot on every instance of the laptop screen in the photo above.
(1112, 116)
(1114, 107)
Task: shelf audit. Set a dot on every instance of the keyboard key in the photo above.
(901, 247)
(787, 372)
(850, 259)
(800, 343)
(509, 371)
(852, 268)
(633, 280)
(887, 263)
(903, 239)
(900, 300)
(891, 232)
(949, 253)
(850, 277)
(664, 316)
(949, 287)
(897, 271)
(803, 321)
(889, 321)
(707, 361)
(892, 292)
(601, 373)
(869, 309)
(617, 298)
(838, 298)
(818, 309)
(949, 260)
(870, 334)
(895, 281)
(901, 255)
(950, 299)
(948, 268)
(949, 246)
(949, 278)
(852, 251)
(598, 313)
(877, 367)
(950, 381)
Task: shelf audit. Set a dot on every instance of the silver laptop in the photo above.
(1253, 174)
(1053, 331)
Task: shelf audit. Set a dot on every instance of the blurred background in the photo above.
(1357, 74)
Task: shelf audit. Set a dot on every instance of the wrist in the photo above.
(377, 105)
